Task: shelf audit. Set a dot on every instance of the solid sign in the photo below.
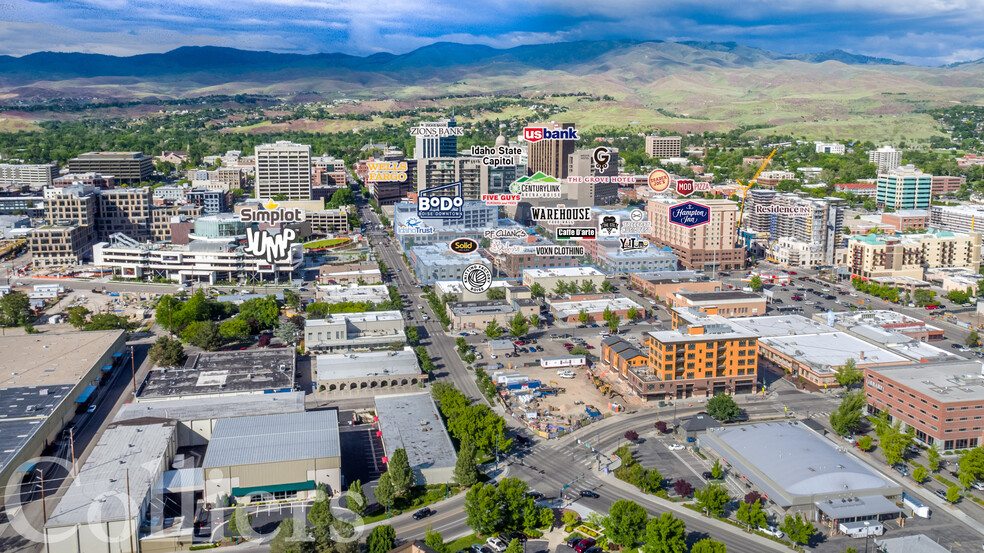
(690, 214)
(464, 245)
(659, 180)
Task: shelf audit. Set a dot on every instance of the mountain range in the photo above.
(688, 86)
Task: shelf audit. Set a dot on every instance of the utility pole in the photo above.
(71, 438)
(44, 507)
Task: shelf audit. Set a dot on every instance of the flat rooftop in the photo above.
(123, 448)
(192, 409)
(567, 308)
(563, 272)
(361, 317)
(22, 412)
(455, 286)
(411, 422)
(826, 352)
(782, 325)
(46, 359)
(947, 382)
(273, 439)
(488, 307)
(724, 295)
(362, 365)
(223, 373)
(793, 464)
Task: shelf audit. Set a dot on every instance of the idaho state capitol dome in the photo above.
(500, 141)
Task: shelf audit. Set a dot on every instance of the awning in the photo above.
(84, 396)
(118, 354)
(27, 467)
(292, 487)
(107, 368)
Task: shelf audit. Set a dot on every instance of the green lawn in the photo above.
(464, 543)
(326, 243)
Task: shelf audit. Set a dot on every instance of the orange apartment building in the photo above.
(621, 356)
(705, 354)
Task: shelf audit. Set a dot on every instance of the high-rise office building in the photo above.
(470, 171)
(886, 158)
(35, 176)
(663, 146)
(904, 188)
(436, 146)
(581, 163)
(124, 210)
(127, 167)
(283, 168)
(551, 156)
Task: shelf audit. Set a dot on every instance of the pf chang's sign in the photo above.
(690, 214)
(686, 187)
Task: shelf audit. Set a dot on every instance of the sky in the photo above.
(922, 32)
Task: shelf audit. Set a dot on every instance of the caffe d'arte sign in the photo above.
(690, 214)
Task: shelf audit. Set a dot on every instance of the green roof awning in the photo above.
(292, 487)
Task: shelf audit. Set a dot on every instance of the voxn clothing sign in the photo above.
(690, 214)
(441, 202)
(272, 247)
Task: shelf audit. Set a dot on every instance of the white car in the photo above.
(652, 302)
(978, 486)
(496, 544)
(853, 295)
(565, 374)
(772, 531)
(675, 447)
(494, 356)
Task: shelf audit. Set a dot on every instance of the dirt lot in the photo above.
(135, 306)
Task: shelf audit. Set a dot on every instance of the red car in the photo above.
(568, 346)
(584, 545)
(792, 272)
(589, 346)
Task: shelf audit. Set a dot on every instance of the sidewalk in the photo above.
(677, 508)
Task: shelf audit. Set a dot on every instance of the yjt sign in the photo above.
(690, 214)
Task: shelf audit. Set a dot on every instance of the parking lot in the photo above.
(653, 451)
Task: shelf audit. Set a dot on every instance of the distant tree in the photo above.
(465, 469)
(239, 521)
(798, 529)
(264, 340)
(493, 329)
(413, 336)
(723, 407)
(234, 329)
(847, 417)
(865, 443)
(400, 472)
(292, 299)
(626, 523)
(167, 352)
(973, 339)
(716, 471)
(633, 314)
(496, 293)
(631, 435)
(752, 497)
(265, 311)
(712, 499)
(683, 488)
(381, 539)
(665, 534)
(953, 494)
(607, 287)
(285, 541)
(535, 320)
(751, 514)
(482, 509)
(848, 374)
(288, 332)
(518, 326)
(919, 474)
(536, 290)
(582, 316)
(707, 545)
(613, 323)
(934, 458)
(561, 288)
(588, 286)
(203, 334)
(78, 316)
(14, 309)
(435, 541)
(661, 427)
(384, 492)
(756, 283)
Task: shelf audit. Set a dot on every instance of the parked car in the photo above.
(589, 493)
(584, 544)
(479, 548)
(706, 475)
(521, 537)
(496, 544)
(772, 531)
(901, 469)
(940, 493)
(574, 541)
(423, 513)
(675, 447)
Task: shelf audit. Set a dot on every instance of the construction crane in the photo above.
(744, 192)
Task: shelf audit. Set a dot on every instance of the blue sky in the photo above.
(925, 32)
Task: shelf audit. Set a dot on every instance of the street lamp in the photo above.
(866, 535)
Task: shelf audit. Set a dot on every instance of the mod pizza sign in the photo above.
(686, 187)
(690, 214)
